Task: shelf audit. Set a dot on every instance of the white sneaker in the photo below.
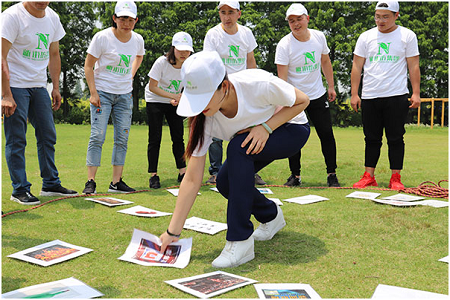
(266, 231)
(235, 254)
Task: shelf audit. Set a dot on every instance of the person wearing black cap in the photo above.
(239, 108)
(387, 52)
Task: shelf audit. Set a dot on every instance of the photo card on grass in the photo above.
(50, 253)
(141, 211)
(383, 291)
(176, 191)
(144, 249)
(205, 226)
(403, 197)
(108, 201)
(210, 284)
(265, 191)
(69, 288)
(285, 291)
(308, 199)
(363, 195)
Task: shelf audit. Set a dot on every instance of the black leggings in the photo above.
(318, 112)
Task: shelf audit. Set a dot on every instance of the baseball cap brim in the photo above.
(193, 104)
(184, 48)
(126, 14)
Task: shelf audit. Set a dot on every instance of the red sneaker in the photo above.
(395, 183)
(365, 181)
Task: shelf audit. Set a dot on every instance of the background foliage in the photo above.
(342, 22)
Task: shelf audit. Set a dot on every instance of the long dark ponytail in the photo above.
(197, 129)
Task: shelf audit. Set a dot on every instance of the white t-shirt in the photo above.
(112, 71)
(169, 80)
(258, 94)
(304, 62)
(30, 37)
(232, 48)
(385, 67)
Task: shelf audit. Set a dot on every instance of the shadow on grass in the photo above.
(20, 242)
(286, 248)
(28, 215)
(109, 291)
(12, 284)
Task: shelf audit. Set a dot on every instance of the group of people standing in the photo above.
(225, 97)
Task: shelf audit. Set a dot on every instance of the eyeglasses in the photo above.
(382, 18)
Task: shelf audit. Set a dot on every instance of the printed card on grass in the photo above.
(363, 195)
(265, 191)
(69, 288)
(108, 201)
(50, 253)
(445, 259)
(144, 249)
(394, 292)
(403, 197)
(141, 211)
(434, 203)
(175, 192)
(210, 284)
(205, 226)
(285, 291)
(395, 202)
(308, 199)
(277, 201)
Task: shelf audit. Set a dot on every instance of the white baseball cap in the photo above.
(182, 41)
(201, 75)
(230, 3)
(125, 9)
(388, 5)
(296, 9)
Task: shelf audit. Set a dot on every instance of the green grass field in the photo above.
(343, 247)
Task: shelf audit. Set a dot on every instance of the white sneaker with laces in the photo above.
(235, 254)
(266, 231)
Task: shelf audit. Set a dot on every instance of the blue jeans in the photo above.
(215, 156)
(120, 108)
(36, 105)
(236, 179)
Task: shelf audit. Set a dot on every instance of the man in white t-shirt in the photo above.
(30, 42)
(235, 44)
(387, 52)
(301, 58)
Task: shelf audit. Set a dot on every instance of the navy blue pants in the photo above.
(236, 178)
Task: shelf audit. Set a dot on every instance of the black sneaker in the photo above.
(154, 182)
(120, 187)
(58, 190)
(90, 187)
(293, 181)
(332, 181)
(258, 180)
(180, 177)
(25, 198)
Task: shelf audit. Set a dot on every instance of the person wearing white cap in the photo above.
(114, 56)
(240, 108)
(235, 44)
(162, 95)
(387, 52)
(301, 58)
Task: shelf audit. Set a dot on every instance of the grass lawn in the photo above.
(343, 247)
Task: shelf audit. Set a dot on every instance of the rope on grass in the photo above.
(427, 189)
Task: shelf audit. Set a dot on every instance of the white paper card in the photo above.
(214, 189)
(175, 192)
(363, 195)
(108, 201)
(393, 292)
(285, 291)
(69, 288)
(277, 201)
(306, 199)
(50, 253)
(403, 197)
(210, 284)
(434, 203)
(395, 202)
(141, 211)
(205, 226)
(265, 191)
(144, 250)
(445, 259)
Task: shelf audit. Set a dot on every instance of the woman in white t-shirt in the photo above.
(162, 94)
(239, 108)
(114, 56)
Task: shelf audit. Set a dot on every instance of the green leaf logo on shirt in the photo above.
(383, 46)
(310, 56)
(43, 38)
(233, 50)
(125, 59)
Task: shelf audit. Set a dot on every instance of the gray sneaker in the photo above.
(259, 181)
(212, 179)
